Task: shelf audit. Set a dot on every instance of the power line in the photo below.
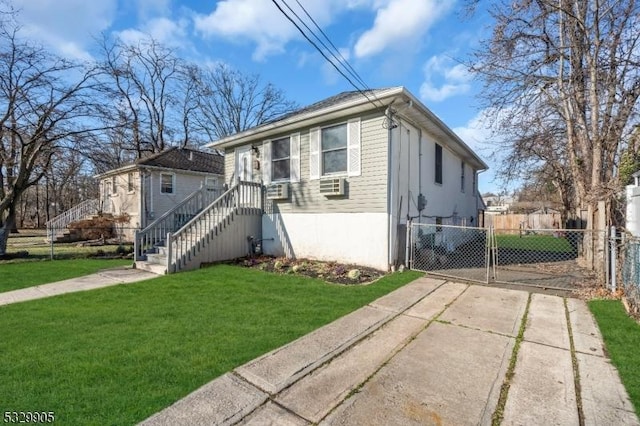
(342, 59)
(341, 72)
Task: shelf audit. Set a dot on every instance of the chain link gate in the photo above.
(450, 251)
(565, 259)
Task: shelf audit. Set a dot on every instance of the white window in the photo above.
(281, 159)
(462, 176)
(114, 186)
(130, 182)
(211, 182)
(166, 183)
(333, 145)
(335, 150)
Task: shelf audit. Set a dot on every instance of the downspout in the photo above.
(142, 213)
(420, 174)
(151, 211)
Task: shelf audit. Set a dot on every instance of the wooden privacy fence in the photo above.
(524, 221)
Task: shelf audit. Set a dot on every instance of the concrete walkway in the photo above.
(105, 278)
(431, 352)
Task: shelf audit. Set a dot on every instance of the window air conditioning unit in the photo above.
(278, 191)
(333, 186)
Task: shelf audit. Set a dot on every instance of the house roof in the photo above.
(177, 159)
(393, 100)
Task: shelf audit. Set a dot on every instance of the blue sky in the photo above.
(413, 43)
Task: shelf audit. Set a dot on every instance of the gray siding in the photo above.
(364, 193)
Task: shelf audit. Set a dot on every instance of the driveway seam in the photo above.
(574, 362)
(498, 414)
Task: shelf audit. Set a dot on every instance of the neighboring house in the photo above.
(343, 175)
(498, 204)
(153, 185)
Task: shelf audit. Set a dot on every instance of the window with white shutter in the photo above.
(314, 153)
(353, 148)
(266, 162)
(294, 157)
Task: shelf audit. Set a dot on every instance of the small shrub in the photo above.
(354, 274)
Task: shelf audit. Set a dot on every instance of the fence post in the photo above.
(51, 241)
(612, 259)
(407, 259)
(169, 253)
(136, 244)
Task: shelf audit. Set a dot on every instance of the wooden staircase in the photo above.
(57, 227)
(218, 232)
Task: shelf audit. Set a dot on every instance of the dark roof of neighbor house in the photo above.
(185, 159)
(177, 159)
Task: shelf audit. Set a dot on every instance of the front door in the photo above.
(244, 168)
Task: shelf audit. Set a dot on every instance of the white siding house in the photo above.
(153, 185)
(343, 176)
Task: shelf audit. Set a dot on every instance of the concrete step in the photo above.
(151, 267)
(156, 258)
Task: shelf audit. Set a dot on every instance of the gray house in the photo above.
(343, 175)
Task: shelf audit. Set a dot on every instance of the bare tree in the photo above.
(577, 61)
(144, 87)
(42, 100)
(230, 101)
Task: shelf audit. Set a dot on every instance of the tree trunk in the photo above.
(8, 225)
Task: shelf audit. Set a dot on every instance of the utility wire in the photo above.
(342, 59)
(324, 55)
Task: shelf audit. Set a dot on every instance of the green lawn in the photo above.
(622, 339)
(119, 354)
(545, 243)
(26, 274)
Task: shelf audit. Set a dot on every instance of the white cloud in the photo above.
(67, 26)
(255, 20)
(443, 79)
(168, 32)
(260, 21)
(399, 22)
(150, 8)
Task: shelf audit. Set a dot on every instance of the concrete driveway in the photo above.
(432, 352)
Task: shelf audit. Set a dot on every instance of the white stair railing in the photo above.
(58, 224)
(174, 219)
(244, 198)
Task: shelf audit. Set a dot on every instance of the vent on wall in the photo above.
(333, 186)
(278, 191)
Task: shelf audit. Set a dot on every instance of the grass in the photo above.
(117, 355)
(26, 274)
(622, 339)
(545, 243)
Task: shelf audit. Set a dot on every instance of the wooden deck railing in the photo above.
(174, 219)
(244, 198)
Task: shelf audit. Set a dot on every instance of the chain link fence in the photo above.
(91, 242)
(565, 259)
(452, 251)
(629, 255)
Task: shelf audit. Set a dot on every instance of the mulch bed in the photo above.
(332, 272)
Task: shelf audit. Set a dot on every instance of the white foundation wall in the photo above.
(358, 238)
